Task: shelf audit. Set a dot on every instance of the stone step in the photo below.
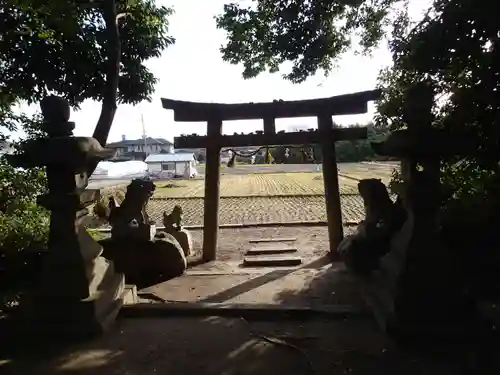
(272, 261)
(130, 296)
(271, 249)
(273, 239)
(257, 311)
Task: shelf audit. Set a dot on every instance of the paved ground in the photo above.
(317, 283)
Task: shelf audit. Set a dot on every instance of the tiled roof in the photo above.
(134, 142)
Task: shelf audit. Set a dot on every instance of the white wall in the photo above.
(179, 168)
(154, 167)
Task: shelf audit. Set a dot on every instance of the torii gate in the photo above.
(215, 113)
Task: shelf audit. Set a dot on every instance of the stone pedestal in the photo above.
(416, 292)
(141, 232)
(146, 263)
(183, 236)
(79, 292)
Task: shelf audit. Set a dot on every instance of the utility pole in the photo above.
(144, 134)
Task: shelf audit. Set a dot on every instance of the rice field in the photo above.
(268, 197)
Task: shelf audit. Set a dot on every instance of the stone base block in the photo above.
(184, 239)
(56, 309)
(411, 316)
(50, 314)
(144, 232)
(145, 263)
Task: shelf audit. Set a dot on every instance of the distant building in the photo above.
(225, 156)
(199, 153)
(139, 149)
(172, 165)
(298, 128)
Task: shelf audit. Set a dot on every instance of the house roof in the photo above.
(133, 142)
(158, 158)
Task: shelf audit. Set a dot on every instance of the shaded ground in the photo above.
(215, 346)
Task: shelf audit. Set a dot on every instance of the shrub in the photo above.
(23, 224)
(101, 208)
(24, 228)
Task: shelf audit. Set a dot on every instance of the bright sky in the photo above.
(192, 69)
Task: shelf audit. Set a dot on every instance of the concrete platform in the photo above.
(316, 283)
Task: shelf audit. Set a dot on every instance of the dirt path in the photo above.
(311, 241)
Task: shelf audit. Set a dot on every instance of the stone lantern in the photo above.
(416, 291)
(79, 292)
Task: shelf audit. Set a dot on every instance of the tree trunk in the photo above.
(108, 108)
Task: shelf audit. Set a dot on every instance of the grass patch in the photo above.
(98, 235)
(171, 186)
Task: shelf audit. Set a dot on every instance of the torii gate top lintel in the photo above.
(348, 104)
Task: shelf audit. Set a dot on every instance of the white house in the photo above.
(172, 165)
(139, 149)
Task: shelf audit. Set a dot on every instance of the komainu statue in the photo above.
(173, 226)
(362, 250)
(174, 219)
(131, 218)
(145, 257)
